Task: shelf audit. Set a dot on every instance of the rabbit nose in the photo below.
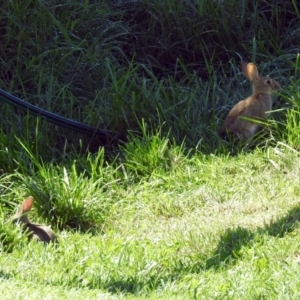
(276, 86)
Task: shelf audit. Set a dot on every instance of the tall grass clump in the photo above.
(291, 133)
(76, 195)
(110, 64)
(151, 153)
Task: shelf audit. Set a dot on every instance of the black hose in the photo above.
(52, 118)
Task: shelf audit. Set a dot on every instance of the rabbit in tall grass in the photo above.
(37, 232)
(257, 106)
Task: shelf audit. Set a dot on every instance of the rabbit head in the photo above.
(264, 85)
(37, 232)
(242, 120)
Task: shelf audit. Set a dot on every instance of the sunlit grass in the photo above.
(213, 226)
(164, 210)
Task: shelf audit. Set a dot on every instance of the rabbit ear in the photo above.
(27, 204)
(252, 72)
(244, 68)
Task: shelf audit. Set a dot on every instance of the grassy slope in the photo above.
(152, 222)
(214, 227)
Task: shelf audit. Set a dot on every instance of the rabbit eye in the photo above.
(268, 81)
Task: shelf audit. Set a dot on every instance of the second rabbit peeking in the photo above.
(256, 107)
(38, 232)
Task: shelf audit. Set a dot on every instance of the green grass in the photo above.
(110, 64)
(165, 209)
(210, 227)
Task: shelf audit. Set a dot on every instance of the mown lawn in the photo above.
(210, 227)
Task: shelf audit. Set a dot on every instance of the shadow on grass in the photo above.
(227, 253)
(232, 241)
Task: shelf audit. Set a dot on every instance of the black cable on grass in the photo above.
(53, 118)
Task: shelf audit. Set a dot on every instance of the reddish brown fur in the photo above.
(254, 107)
(37, 232)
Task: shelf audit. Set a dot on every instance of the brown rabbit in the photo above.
(37, 232)
(255, 107)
